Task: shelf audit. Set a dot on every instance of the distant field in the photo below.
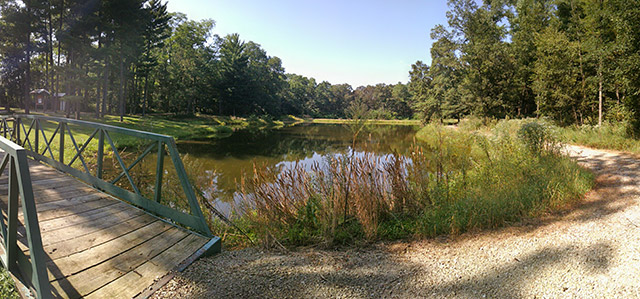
(373, 121)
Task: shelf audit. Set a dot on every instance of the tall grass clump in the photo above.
(616, 136)
(620, 131)
(338, 200)
(453, 181)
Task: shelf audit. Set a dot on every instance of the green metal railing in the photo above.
(29, 132)
(32, 268)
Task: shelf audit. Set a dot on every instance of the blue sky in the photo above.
(357, 42)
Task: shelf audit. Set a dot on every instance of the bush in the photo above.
(538, 138)
(451, 182)
(615, 136)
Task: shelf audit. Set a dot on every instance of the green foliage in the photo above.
(616, 136)
(538, 138)
(7, 286)
(358, 114)
(573, 61)
(456, 181)
(129, 57)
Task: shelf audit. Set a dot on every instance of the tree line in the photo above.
(575, 61)
(133, 57)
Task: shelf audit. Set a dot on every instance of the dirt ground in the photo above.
(591, 251)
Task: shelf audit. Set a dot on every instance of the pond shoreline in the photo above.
(585, 250)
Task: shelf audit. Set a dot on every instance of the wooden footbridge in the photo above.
(79, 221)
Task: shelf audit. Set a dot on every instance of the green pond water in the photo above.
(217, 166)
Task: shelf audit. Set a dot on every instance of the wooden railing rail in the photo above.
(31, 268)
(28, 131)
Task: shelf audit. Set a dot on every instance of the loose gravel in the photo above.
(590, 251)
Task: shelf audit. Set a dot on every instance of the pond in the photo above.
(218, 165)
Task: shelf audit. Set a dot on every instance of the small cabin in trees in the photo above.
(41, 98)
(60, 102)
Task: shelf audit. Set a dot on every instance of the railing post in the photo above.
(192, 217)
(159, 171)
(61, 150)
(19, 128)
(36, 124)
(186, 187)
(100, 153)
(39, 276)
(11, 241)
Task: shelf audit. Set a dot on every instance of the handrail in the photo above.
(32, 268)
(28, 131)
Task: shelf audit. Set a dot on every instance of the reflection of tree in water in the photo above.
(220, 164)
(301, 142)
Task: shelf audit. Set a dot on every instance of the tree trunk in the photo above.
(600, 93)
(584, 80)
(135, 100)
(98, 94)
(121, 104)
(99, 87)
(46, 70)
(146, 90)
(27, 81)
(105, 85)
(50, 55)
(59, 49)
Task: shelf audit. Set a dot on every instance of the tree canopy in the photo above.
(575, 61)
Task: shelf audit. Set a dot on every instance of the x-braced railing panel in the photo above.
(31, 268)
(30, 131)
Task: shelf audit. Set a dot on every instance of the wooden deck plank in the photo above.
(43, 194)
(76, 225)
(70, 202)
(64, 243)
(54, 230)
(85, 242)
(96, 244)
(79, 261)
(79, 218)
(136, 281)
(89, 227)
(52, 180)
(65, 210)
(93, 278)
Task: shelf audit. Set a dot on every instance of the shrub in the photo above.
(617, 136)
(451, 182)
(538, 138)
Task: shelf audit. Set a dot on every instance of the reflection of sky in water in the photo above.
(220, 164)
(309, 164)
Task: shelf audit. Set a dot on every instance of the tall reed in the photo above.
(450, 182)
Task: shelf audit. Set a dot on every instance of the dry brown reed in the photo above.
(451, 183)
(362, 187)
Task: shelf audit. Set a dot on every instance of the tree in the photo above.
(419, 87)
(531, 17)
(234, 82)
(444, 96)
(184, 67)
(556, 79)
(156, 31)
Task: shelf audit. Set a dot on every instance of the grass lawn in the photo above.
(373, 121)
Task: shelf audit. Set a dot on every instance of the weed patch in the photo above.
(452, 182)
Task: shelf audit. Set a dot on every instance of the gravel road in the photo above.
(591, 251)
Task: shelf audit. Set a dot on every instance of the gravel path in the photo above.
(593, 251)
